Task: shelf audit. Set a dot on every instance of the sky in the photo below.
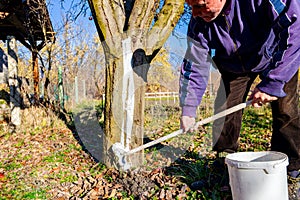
(176, 43)
(57, 12)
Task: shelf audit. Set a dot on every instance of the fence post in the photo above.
(60, 87)
(76, 90)
(174, 97)
(84, 89)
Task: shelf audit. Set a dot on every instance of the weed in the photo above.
(193, 195)
(12, 166)
(35, 194)
(56, 157)
(96, 169)
(67, 178)
(108, 178)
(75, 147)
(20, 143)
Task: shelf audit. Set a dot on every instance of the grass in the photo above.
(255, 136)
(46, 153)
(256, 129)
(40, 157)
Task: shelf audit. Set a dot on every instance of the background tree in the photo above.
(73, 51)
(161, 76)
(98, 72)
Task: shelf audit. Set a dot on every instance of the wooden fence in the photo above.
(160, 97)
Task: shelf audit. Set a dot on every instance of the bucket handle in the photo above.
(269, 170)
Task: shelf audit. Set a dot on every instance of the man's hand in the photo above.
(187, 123)
(259, 98)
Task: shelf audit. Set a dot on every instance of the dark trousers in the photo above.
(285, 113)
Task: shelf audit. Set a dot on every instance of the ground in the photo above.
(46, 159)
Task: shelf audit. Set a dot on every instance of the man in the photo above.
(251, 38)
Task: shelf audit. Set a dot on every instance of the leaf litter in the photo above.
(43, 160)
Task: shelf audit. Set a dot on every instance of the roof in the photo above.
(28, 21)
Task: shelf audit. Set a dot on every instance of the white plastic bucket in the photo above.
(258, 175)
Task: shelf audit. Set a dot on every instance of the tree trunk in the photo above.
(15, 97)
(130, 41)
(36, 76)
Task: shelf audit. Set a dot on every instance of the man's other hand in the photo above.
(260, 98)
(187, 123)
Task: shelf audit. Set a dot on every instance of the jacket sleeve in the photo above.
(194, 71)
(285, 60)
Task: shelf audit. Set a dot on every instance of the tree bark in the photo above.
(36, 76)
(146, 32)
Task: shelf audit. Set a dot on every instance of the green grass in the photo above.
(255, 136)
(20, 190)
(35, 194)
(256, 129)
(96, 169)
(12, 166)
(56, 164)
(55, 157)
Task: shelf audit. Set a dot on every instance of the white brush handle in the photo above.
(180, 131)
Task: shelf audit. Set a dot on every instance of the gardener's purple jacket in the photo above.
(249, 35)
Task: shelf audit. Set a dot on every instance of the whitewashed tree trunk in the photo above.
(131, 34)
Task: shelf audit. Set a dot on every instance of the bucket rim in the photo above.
(255, 163)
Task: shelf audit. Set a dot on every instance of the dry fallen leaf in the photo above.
(2, 176)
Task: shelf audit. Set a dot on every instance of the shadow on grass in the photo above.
(204, 175)
(88, 132)
(86, 129)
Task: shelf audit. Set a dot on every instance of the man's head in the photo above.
(208, 10)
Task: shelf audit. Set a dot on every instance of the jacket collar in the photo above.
(228, 6)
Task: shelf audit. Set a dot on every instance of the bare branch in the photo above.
(142, 14)
(109, 17)
(167, 20)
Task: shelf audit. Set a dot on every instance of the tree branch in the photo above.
(109, 17)
(143, 14)
(167, 20)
